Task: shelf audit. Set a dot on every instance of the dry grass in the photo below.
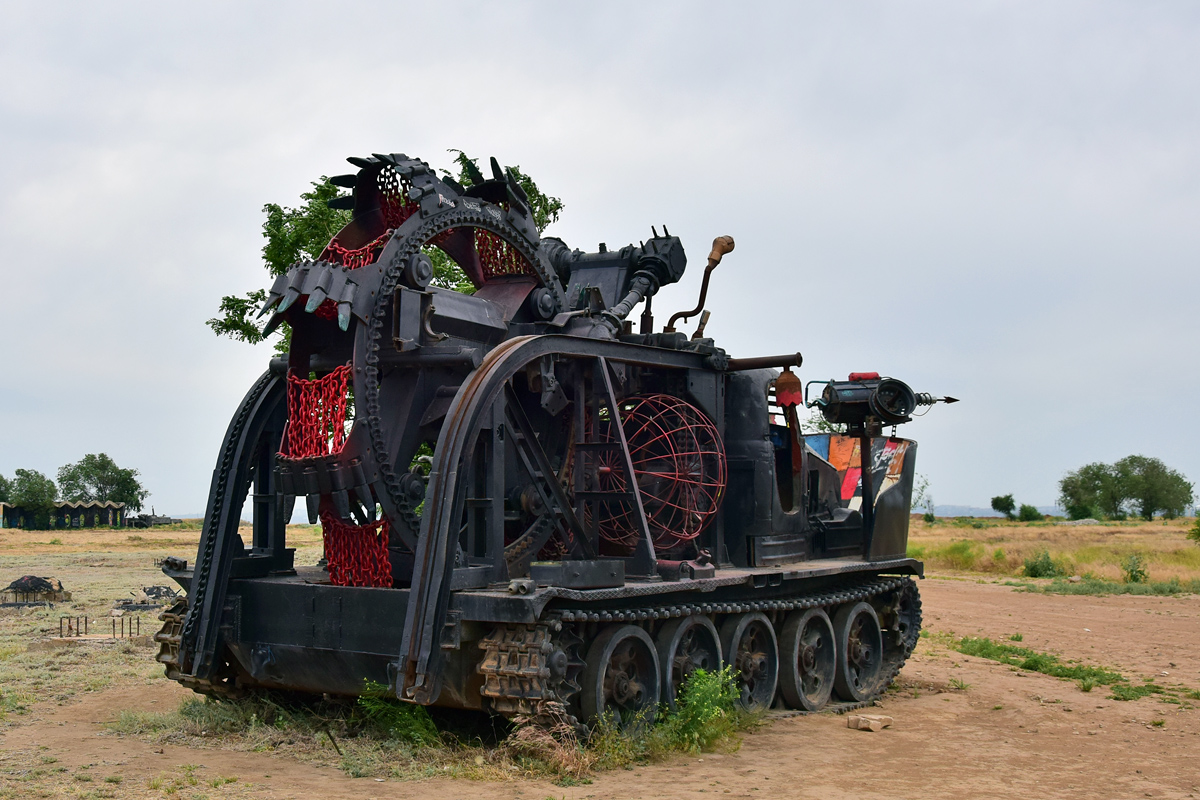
(1001, 548)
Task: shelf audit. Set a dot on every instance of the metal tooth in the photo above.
(473, 173)
(314, 508)
(384, 157)
(363, 494)
(321, 290)
(289, 297)
(362, 163)
(289, 505)
(497, 173)
(344, 181)
(271, 325)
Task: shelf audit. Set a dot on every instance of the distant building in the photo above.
(68, 515)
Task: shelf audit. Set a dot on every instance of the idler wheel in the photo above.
(749, 644)
(684, 646)
(621, 677)
(859, 652)
(809, 653)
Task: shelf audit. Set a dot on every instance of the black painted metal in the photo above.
(507, 386)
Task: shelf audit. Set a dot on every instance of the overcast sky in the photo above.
(993, 200)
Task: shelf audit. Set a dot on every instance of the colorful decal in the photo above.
(887, 464)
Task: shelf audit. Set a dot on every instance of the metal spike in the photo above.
(289, 505)
(289, 297)
(473, 173)
(362, 163)
(343, 312)
(341, 503)
(654, 230)
(515, 184)
(272, 299)
(344, 181)
(497, 173)
(385, 158)
(665, 231)
(343, 203)
(314, 508)
(270, 327)
(315, 299)
(363, 493)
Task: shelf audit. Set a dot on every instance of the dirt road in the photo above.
(1007, 734)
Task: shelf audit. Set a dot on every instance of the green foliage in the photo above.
(5, 489)
(1096, 586)
(706, 713)
(1033, 661)
(236, 318)
(391, 719)
(1030, 513)
(1133, 692)
(1193, 533)
(96, 477)
(922, 497)
(1042, 566)
(1137, 483)
(1004, 504)
(303, 232)
(37, 494)
(1134, 567)
(816, 423)
(929, 517)
(1154, 487)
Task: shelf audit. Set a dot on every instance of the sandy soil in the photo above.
(1007, 734)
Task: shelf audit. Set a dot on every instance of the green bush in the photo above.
(1029, 513)
(929, 517)
(706, 713)
(1042, 566)
(1134, 567)
(1194, 533)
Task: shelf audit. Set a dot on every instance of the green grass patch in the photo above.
(1033, 661)
(1098, 586)
(378, 736)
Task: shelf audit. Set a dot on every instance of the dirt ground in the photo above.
(1007, 733)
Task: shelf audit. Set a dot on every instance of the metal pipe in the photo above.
(721, 246)
(765, 362)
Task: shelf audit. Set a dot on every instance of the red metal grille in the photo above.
(679, 462)
(316, 423)
(357, 555)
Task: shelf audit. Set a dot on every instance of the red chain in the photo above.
(498, 257)
(395, 207)
(357, 554)
(316, 415)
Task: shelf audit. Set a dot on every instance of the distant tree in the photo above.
(1030, 513)
(816, 423)
(1154, 487)
(1094, 490)
(1135, 484)
(97, 478)
(1004, 504)
(5, 489)
(36, 494)
(295, 234)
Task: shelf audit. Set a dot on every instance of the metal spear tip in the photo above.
(949, 400)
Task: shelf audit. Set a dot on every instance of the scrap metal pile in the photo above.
(604, 511)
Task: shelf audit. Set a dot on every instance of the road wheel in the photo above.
(621, 677)
(748, 642)
(809, 654)
(859, 652)
(684, 646)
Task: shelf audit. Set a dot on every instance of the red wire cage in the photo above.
(679, 464)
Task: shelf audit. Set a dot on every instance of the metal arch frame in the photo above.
(418, 677)
(257, 421)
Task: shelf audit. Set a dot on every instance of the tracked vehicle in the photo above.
(604, 510)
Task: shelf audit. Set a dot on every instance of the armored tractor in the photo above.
(525, 502)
